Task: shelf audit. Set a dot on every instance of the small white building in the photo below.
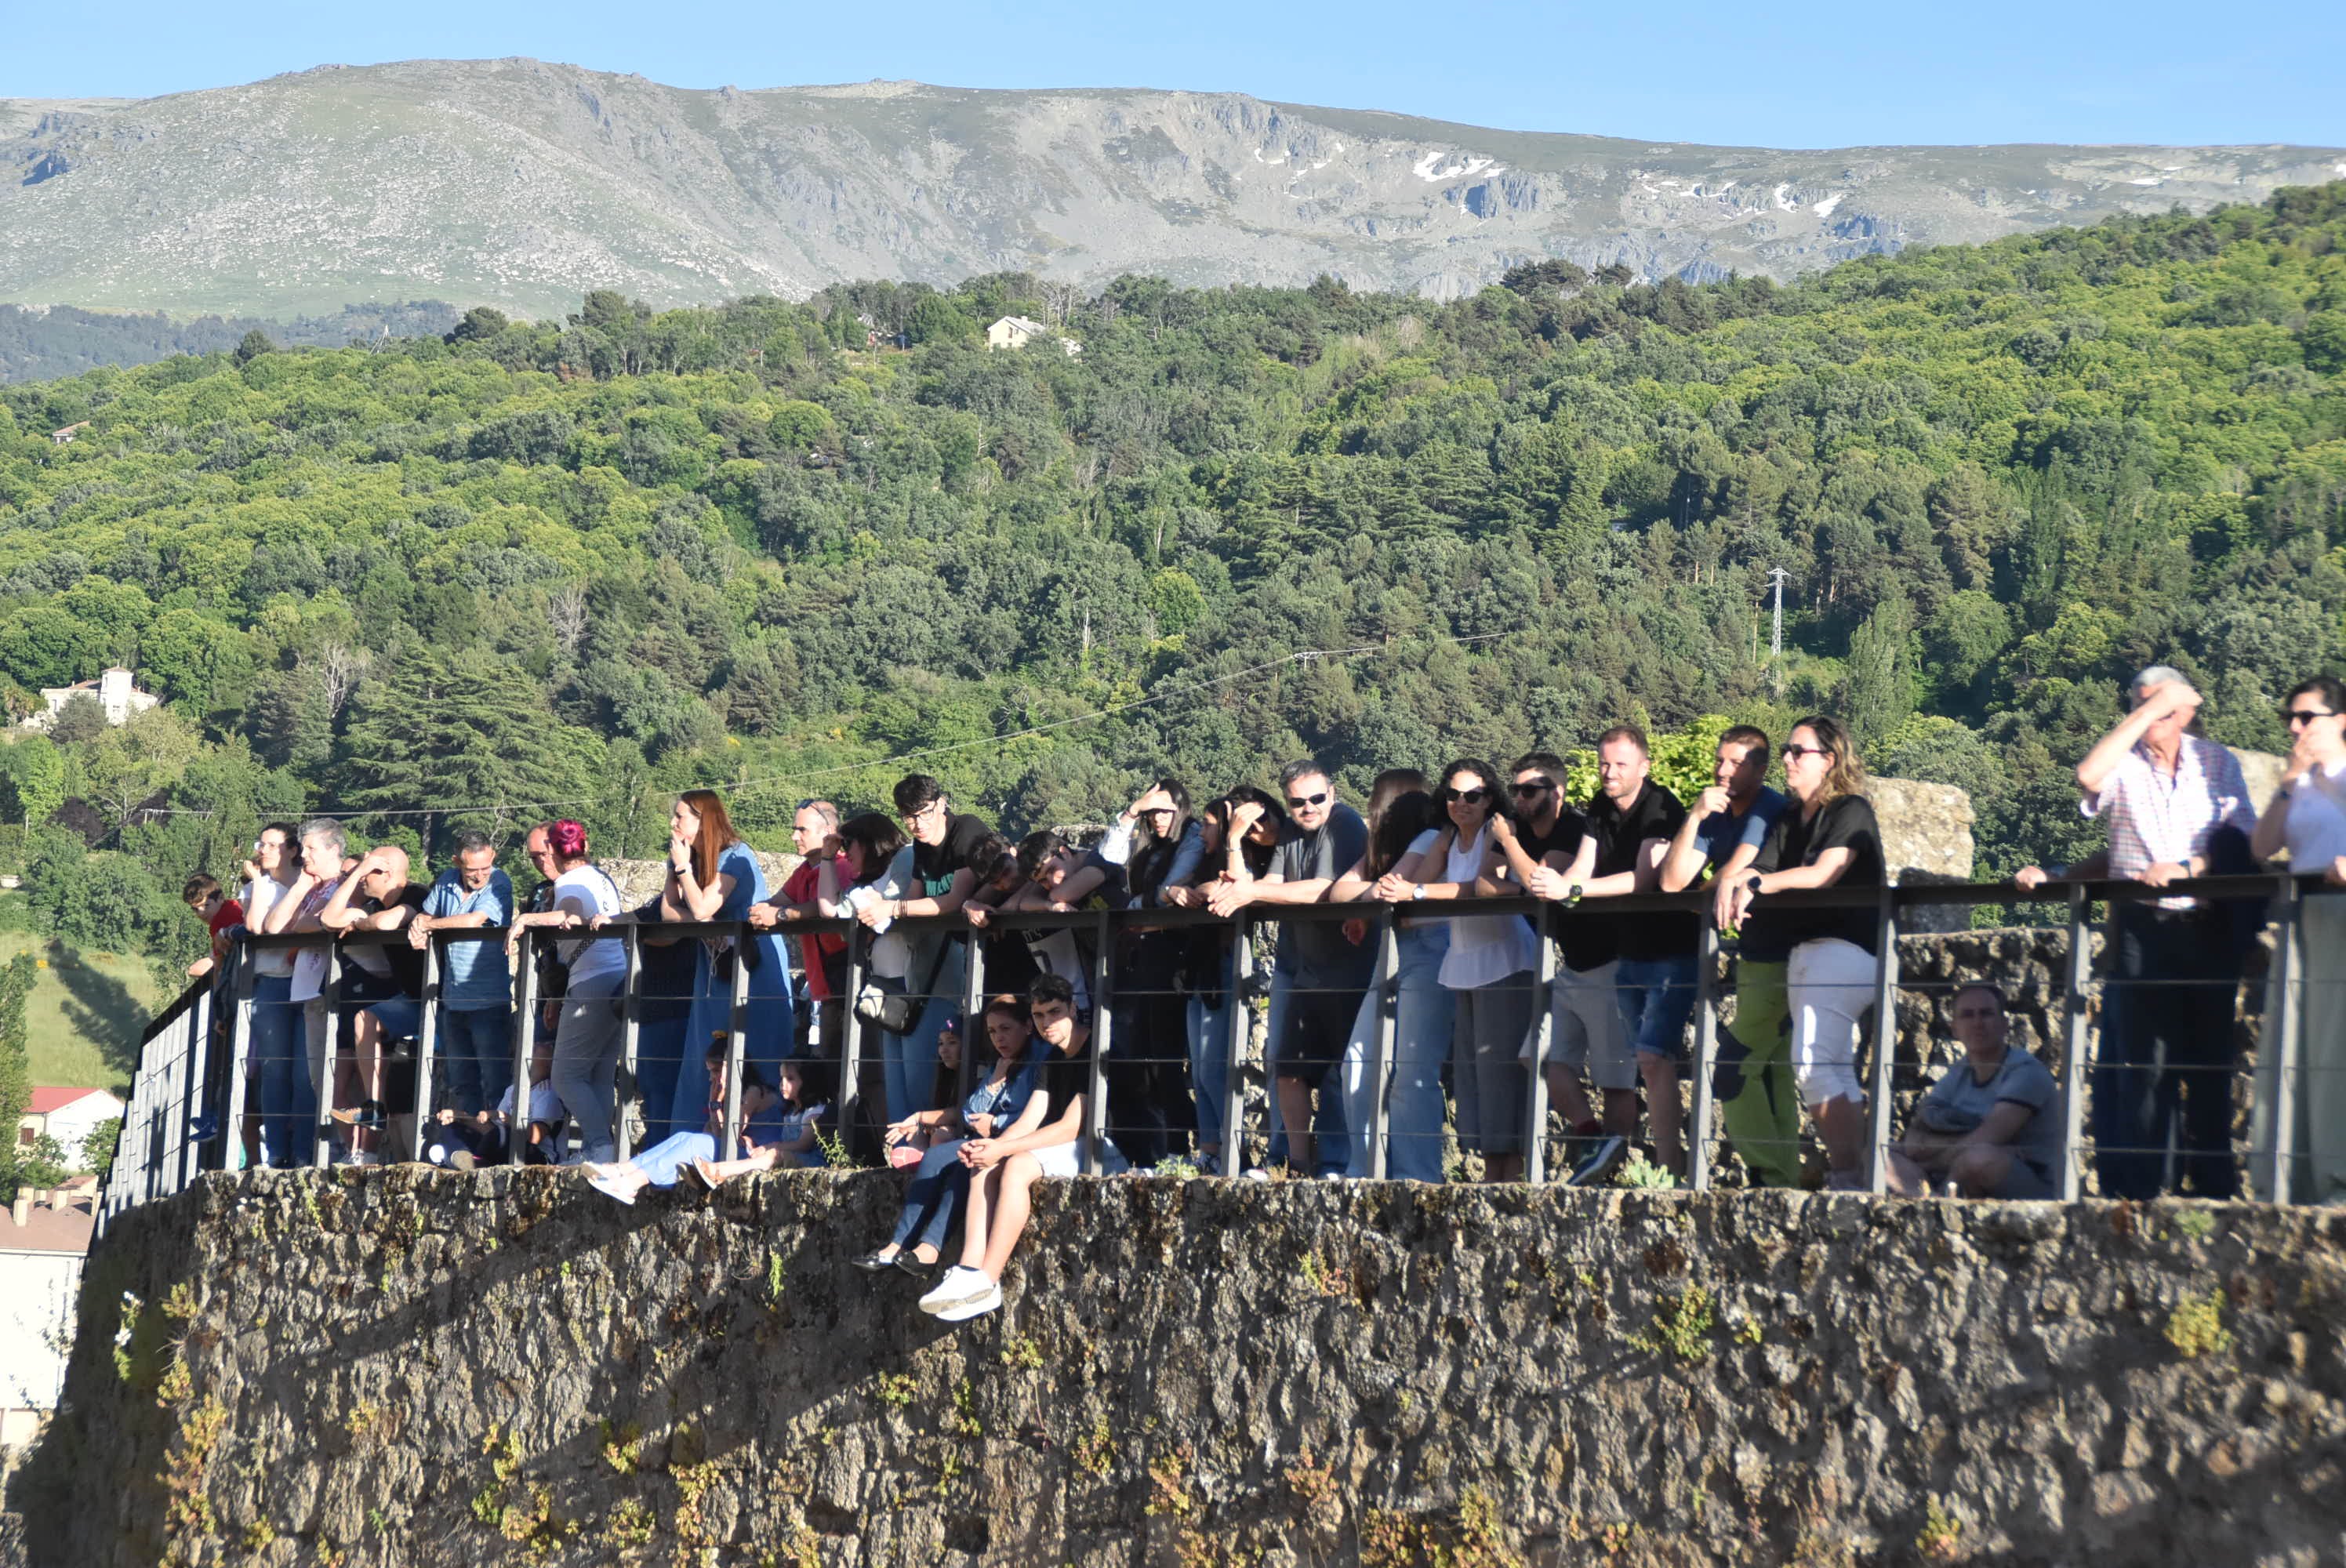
(116, 690)
(43, 1239)
(1017, 331)
(69, 1116)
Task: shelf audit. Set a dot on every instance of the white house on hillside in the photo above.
(114, 689)
(42, 1236)
(69, 1116)
(1017, 331)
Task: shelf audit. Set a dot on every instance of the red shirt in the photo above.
(799, 888)
(229, 913)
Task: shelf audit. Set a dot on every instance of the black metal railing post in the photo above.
(1706, 1052)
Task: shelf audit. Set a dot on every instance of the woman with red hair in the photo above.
(587, 1043)
(713, 876)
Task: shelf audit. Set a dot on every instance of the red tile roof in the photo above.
(45, 1100)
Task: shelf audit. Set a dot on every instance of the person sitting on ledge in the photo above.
(660, 1165)
(1991, 1125)
(1005, 1105)
(804, 1102)
(1004, 1169)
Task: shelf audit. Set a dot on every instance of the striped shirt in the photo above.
(2159, 817)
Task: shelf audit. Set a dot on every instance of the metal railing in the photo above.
(159, 1154)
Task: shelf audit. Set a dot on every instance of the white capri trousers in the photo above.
(1830, 984)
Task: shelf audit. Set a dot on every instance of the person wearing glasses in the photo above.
(940, 874)
(1827, 837)
(814, 831)
(1632, 821)
(377, 896)
(1587, 1037)
(1322, 839)
(2177, 806)
(2305, 823)
(1488, 969)
(1752, 1081)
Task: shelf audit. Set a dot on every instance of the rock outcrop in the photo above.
(430, 1368)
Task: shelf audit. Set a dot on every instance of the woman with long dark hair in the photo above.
(1487, 971)
(1403, 830)
(1208, 960)
(1827, 837)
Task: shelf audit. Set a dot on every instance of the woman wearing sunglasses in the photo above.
(1487, 971)
(2305, 823)
(1826, 837)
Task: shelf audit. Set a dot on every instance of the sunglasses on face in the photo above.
(2293, 716)
(1297, 803)
(1471, 797)
(1793, 752)
(1531, 791)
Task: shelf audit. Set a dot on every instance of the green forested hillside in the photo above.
(581, 563)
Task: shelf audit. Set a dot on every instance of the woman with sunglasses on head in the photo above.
(1159, 847)
(1403, 830)
(1488, 969)
(1826, 837)
(2305, 824)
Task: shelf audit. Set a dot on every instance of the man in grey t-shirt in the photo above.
(1324, 838)
(1992, 1125)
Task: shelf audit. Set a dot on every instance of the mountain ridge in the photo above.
(522, 184)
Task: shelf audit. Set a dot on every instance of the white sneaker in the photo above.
(961, 1284)
(1256, 1172)
(610, 1188)
(989, 1302)
(365, 1158)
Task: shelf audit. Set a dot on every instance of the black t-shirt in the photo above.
(665, 972)
(934, 864)
(1796, 839)
(1654, 814)
(1066, 1079)
(553, 974)
(406, 960)
(1583, 940)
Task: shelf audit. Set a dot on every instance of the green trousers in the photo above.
(1758, 1105)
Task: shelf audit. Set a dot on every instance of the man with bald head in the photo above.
(376, 896)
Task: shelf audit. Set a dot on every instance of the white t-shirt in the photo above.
(2317, 819)
(1483, 948)
(598, 964)
(258, 896)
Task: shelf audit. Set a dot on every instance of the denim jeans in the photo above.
(1656, 997)
(478, 1045)
(281, 1087)
(911, 1058)
(934, 1198)
(665, 1161)
(1421, 1025)
(1210, 1076)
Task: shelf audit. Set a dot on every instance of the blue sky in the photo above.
(1816, 75)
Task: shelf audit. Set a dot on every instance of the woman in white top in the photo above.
(2306, 822)
(1487, 971)
(593, 1031)
(1403, 833)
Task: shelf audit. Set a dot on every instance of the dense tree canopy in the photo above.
(577, 562)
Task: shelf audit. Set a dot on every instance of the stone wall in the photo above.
(368, 1368)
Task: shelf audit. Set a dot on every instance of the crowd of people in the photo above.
(1470, 1020)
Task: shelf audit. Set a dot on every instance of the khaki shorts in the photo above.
(1587, 1031)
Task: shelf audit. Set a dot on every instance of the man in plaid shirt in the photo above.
(2177, 806)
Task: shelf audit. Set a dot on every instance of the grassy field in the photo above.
(85, 1013)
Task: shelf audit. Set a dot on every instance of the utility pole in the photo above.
(1776, 633)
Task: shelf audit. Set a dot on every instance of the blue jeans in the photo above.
(934, 1198)
(280, 1093)
(1422, 1027)
(911, 1058)
(665, 1161)
(477, 1045)
(1210, 1076)
(1657, 998)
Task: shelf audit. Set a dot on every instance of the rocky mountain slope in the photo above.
(521, 184)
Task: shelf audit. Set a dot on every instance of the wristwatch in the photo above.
(1417, 891)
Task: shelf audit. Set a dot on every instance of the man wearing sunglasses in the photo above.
(1323, 839)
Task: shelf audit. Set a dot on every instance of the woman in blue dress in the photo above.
(712, 876)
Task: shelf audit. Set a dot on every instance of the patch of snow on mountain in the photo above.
(1782, 205)
(2146, 179)
(1824, 208)
(1428, 168)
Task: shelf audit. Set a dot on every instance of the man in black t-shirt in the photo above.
(944, 845)
(1631, 822)
(1586, 1039)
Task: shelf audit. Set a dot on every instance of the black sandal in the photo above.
(909, 1262)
